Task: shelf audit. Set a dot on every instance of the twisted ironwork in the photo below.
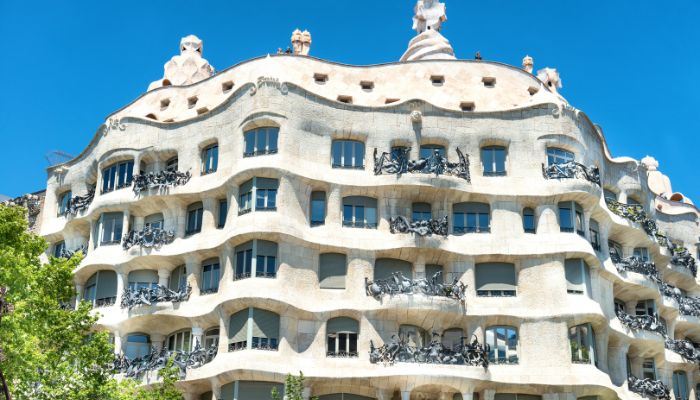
(160, 180)
(151, 295)
(571, 170)
(687, 349)
(65, 253)
(636, 213)
(148, 238)
(399, 164)
(156, 360)
(635, 264)
(399, 284)
(31, 202)
(687, 305)
(5, 308)
(421, 227)
(649, 323)
(681, 257)
(81, 203)
(649, 387)
(399, 350)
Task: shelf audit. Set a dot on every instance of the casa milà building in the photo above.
(432, 228)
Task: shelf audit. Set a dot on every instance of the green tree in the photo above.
(293, 388)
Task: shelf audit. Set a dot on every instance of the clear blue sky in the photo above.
(632, 66)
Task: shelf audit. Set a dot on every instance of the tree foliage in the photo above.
(293, 388)
(50, 349)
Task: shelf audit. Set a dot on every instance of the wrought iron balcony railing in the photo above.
(649, 323)
(423, 227)
(634, 213)
(572, 170)
(148, 238)
(160, 180)
(257, 343)
(360, 224)
(259, 153)
(399, 350)
(687, 349)
(649, 387)
(399, 284)
(681, 257)
(635, 264)
(687, 305)
(156, 360)
(104, 302)
(65, 253)
(79, 204)
(152, 295)
(398, 164)
(342, 354)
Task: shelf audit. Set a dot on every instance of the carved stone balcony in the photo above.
(160, 180)
(148, 238)
(423, 228)
(572, 170)
(399, 350)
(398, 284)
(79, 204)
(399, 164)
(649, 387)
(156, 360)
(687, 349)
(152, 295)
(649, 323)
(687, 305)
(635, 264)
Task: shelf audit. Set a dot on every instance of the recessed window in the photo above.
(529, 223)
(258, 194)
(180, 341)
(211, 338)
(594, 231)
(493, 159)
(360, 212)
(432, 150)
(645, 308)
(226, 86)
(320, 78)
(533, 90)
(64, 203)
(578, 277)
(502, 342)
(389, 101)
(559, 156)
(615, 248)
(421, 212)
(210, 159)
(471, 218)
(194, 218)
(571, 217)
(211, 271)
(332, 270)
(260, 141)
(143, 279)
(318, 208)
(341, 337)
(137, 345)
(117, 176)
(345, 99)
(367, 85)
(467, 106)
(437, 80)
(253, 328)
(110, 228)
(582, 342)
(192, 101)
(649, 369)
(59, 249)
(609, 195)
(489, 81)
(169, 120)
(154, 221)
(101, 289)
(415, 336)
(348, 154)
(178, 279)
(387, 268)
(172, 164)
(256, 258)
(164, 104)
(152, 116)
(641, 253)
(495, 280)
(223, 212)
(202, 110)
(680, 385)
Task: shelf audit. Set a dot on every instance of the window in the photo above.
(609, 195)
(59, 249)
(493, 158)
(452, 338)
(264, 327)
(620, 306)
(415, 337)
(332, 270)
(360, 212)
(101, 289)
(429, 150)
(471, 218)
(529, 224)
(260, 141)
(649, 369)
(578, 279)
(467, 106)
(422, 212)
(641, 253)
(348, 154)
(645, 308)
(137, 345)
(210, 159)
(503, 343)
(367, 85)
(154, 221)
(143, 278)
(633, 202)
(680, 385)
(110, 228)
(594, 231)
(178, 279)
(495, 280)
(266, 194)
(318, 208)
(64, 203)
(256, 258)
(558, 156)
(117, 176)
(398, 153)
(223, 211)
(245, 197)
(194, 218)
(571, 217)
(385, 268)
(582, 341)
(341, 337)
(437, 80)
(615, 248)
(180, 341)
(210, 276)
(211, 338)
(171, 164)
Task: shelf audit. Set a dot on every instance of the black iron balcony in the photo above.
(681, 257)
(156, 360)
(399, 350)
(104, 302)
(423, 227)
(259, 153)
(148, 238)
(687, 349)
(648, 387)
(65, 253)
(360, 224)
(152, 295)
(635, 264)
(398, 284)
(649, 323)
(634, 213)
(572, 170)
(342, 354)
(687, 305)
(79, 204)
(160, 180)
(399, 164)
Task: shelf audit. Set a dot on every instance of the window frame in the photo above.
(223, 213)
(510, 292)
(316, 198)
(577, 218)
(529, 212)
(471, 212)
(493, 170)
(578, 354)
(116, 219)
(210, 159)
(64, 201)
(250, 253)
(349, 337)
(419, 212)
(271, 136)
(356, 153)
(195, 215)
(212, 277)
(680, 393)
(180, 341)
(509, 357)
(425, 151)
(117, 175)
(559, 156)
(355, 204)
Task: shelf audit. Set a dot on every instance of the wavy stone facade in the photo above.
(275, 284)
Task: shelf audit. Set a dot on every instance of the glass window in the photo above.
(137, 345)
(348, 154)
(318, 208)
(143, 278)
(211, 338)
(360, 212)
(154, 221)
(609, 195)
(493, 159)
(578, 279)
(680, 385)
(645, 308)
(101, 289)
(594, 232)
(649, 369)
(59, 249)
(571, 217)
(171, 165)
(266, 328)
(495, 280)
(111, 228)
(341, 337)
(642, 253)
(210, 276)
(529, 224)
(194, 218)
(210, 159)
(414, 336)
(633, 202)
(261, 141)
(582, 341)
(180, 341)
(471, 218)
(262, 253)
(223, 211)
(245, 197)
(178, 279)
(64, 203)
(117, 176)
(266, 199)
(430, 150)
(422, 212)
(452, 338)
(559, 156)
(615, 248)
(398, 153)
(503, 343)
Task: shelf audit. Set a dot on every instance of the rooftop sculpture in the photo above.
(301, 42)
(429, 44)
(187, 68)
(429, 14)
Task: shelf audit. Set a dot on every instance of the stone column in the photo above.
(489, 394)
(215, 389)
(122, 281)
(601, 346)
(192, 267)
(209, 214)
(117, 342)
(419, 268)
(92, 239)
(587, 224)
(163, 277)
(223, 331)
(157, 341)
(139, 223)
(125, 222)
(384, 213)
(232, 205)
(78, 294)
(468, 394)
(180, 214)
(334, 208)
(622, 197)
(227, 266)
(617, 363)
(547, 218)
(197, 335)
(306, 393)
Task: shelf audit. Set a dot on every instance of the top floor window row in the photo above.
(261, 141)
(117, 176)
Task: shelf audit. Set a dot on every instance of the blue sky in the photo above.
(632, 66)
